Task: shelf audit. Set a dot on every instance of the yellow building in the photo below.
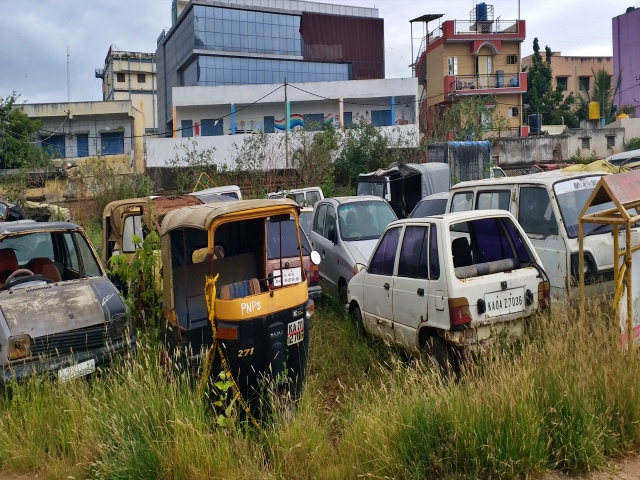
(570, 72)
(131, 76)
(462, 58)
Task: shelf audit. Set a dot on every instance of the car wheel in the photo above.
(342, 295)
(356, 316)
(441, 355)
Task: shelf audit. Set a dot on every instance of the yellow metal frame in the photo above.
(616, 216)
(207, 183)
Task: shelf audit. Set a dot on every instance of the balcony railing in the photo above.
(435, 34)
(470, 27)
(484, 82)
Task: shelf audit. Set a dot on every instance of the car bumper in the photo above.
(102, 356)
(315, 292)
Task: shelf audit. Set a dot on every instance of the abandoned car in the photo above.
(261, 311)
(59, 313)
(446, 284)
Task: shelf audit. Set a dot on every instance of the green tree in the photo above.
(363, 149)
(16, 128)
(312, 156)
(542, 98)
(604, 92)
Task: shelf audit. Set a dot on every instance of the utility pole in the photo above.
(68, 78)
(286, 128)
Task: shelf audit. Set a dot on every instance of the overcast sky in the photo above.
(34, 35)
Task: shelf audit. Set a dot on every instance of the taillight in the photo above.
(544, 295)
(227, 332)
(314, 275)
(459, 313)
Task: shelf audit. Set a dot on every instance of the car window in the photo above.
(132, 226)
(491, 240)
(3, 210)
(331, 221)
(428, 207)
(89, 262)
(312, 197)
(283, 235)
(493, 200)
(320, 219)
(462, 202)
(434, 258)
(535, 212)
(411, 250)
(364, 220)
(72, 254)
(384, 257)
(30, 246)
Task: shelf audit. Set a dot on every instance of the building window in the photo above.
(212, 127)
(186, 126)
(142, 78)
(453, 65)
(120, 77)
(269, 125)
(112, 143)
(584, 83)
(586, 143)
(381, 118)
(83, 145)
(54, 146)
(514, 112)
(512, 59)
(561, 82)
(313, 121)
(611, 141)
(347, 119)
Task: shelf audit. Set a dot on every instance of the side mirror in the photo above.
(315, 258)
(331, 233)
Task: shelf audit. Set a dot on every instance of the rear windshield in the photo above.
(426, 208)
(283, 235)
(371, 188)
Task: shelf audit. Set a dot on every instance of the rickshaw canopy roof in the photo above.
(201, 216)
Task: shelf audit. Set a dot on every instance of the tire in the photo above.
(442, 355)
(342, 295)
(356, 316)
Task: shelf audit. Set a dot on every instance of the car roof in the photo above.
(11, 228)
(453, 217)
(353, 198)
(544, 178)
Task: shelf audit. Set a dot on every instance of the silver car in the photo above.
(344, 231)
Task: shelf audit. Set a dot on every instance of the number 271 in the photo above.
(245, 353)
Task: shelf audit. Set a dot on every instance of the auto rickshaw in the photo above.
(217, 292)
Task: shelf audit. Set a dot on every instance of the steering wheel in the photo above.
(23, 275)
(21, 272)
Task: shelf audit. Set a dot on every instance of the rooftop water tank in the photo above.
(482, 12)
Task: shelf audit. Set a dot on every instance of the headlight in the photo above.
(119, 323)
(358, 267)
(19, 347)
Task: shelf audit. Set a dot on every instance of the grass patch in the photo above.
(564, 397)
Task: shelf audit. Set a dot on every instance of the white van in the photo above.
(547, 205)
(209, 194)
(305, 197)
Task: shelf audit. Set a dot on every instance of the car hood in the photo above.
(54, 308)
(361, 250)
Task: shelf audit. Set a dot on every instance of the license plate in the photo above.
(504, 302)
(289, 276)
(75, 371)
(295, 332)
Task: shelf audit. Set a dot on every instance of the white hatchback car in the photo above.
(449, 283)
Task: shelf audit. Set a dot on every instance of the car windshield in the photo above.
(306, 218)
(287, 240)
(371, 188)
(572, 195)
(428, 207)
(364, 220)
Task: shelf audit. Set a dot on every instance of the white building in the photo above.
(220, 117)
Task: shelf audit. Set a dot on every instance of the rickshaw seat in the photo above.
(239, 289)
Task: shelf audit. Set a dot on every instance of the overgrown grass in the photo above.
(566, 398)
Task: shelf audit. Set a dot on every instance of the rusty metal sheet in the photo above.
(623, 186)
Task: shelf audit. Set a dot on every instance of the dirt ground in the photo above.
(621, 469)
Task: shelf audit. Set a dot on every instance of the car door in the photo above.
(323, 245)
(411, 286)
(437, 313)
(378, 293)
(537, 217)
